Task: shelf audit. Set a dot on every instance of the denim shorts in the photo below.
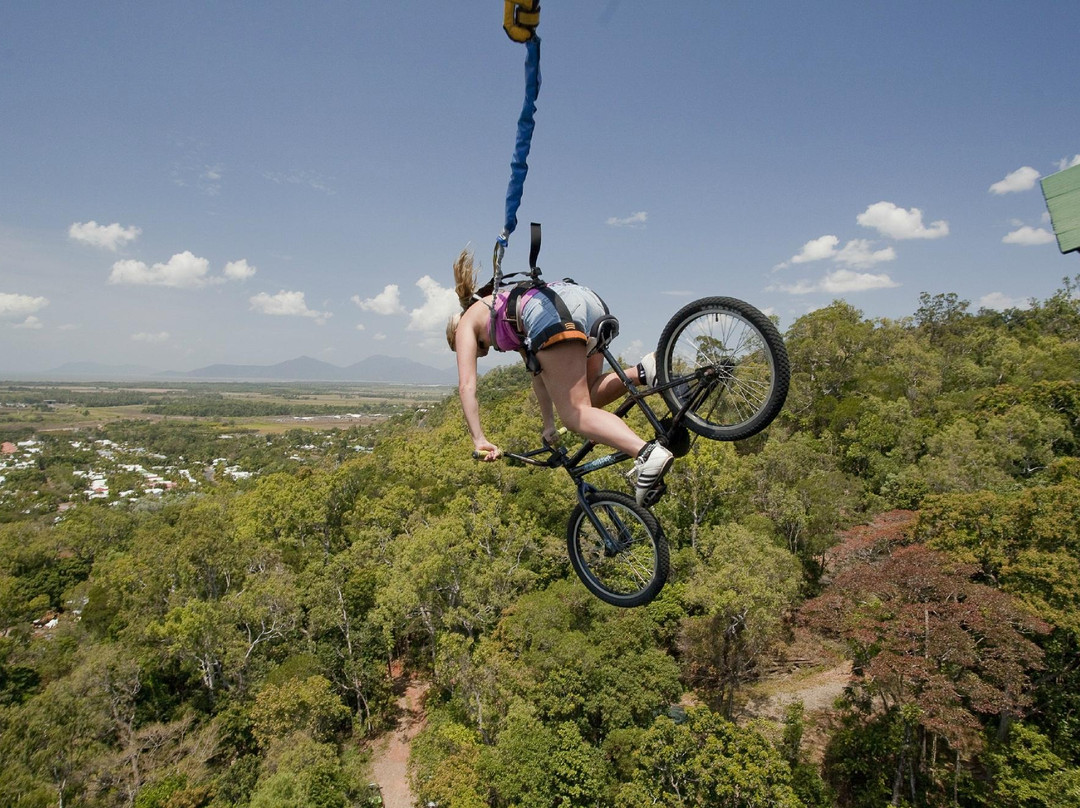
(540, 318)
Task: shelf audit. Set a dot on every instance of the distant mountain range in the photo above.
(303, 368)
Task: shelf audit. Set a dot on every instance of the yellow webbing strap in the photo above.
(520, 18)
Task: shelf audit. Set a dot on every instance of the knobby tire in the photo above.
(737, 347)
(635, 573)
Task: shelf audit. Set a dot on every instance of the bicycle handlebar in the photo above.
(555, 456)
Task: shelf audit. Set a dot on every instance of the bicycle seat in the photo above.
(603, 331)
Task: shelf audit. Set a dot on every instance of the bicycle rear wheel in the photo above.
(731, 363)
(625, 561)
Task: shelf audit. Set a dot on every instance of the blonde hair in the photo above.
(464, 288)
(451, 330)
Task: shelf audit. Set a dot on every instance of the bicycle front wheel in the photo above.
(729, 366)
(622, 557)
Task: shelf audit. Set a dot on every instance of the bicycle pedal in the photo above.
(653, 495)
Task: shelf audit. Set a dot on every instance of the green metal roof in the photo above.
(1062, 193)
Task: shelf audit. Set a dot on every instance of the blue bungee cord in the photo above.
(519, 21)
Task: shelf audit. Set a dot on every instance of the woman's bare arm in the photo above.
(467, 349)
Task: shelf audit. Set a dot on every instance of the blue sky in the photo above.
(185, 184)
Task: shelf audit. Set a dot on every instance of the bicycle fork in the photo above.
(613, 545)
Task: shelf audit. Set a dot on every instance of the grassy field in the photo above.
(269, 408)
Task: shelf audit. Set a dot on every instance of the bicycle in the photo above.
(722, 370)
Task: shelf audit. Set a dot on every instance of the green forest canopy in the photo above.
(230, 643)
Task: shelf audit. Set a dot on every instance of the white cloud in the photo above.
(109, 236)
(388, 301)
(860, 253)
(633, 220)
(439, 305)
(1068, 163)
(30, 322)
(379, 337)
(856, 253)
(1023, 179)
(142, 336)
(817, 250)
(898, 223)
(287, 304)
(1028, 236)
(845, 280)
(839, 281)
(239, 270)
(12, 305)
(999, 302)
(182, 271)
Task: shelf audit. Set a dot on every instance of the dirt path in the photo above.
(390, 759)
(817, 690)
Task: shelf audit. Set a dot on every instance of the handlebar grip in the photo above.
(558, 437)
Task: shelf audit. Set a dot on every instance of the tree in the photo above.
(701, 487)
(298, 705)
(338, 599)
(806, 782)
(533, 763)
(445, 764)
(200, 634)
(798, 486)
(707, 761)
(826, 349)
(459, 570)
(576, 659)
(882, 442)
(58, 736)
(1025, 772)
(737, 592)
(1025, 542)
(301, 772)
(289, 513)
(942, 316)
(938, 653)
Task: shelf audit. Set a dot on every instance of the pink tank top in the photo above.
(501, 333)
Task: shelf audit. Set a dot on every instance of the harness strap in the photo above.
(566, 322)
(534, 249)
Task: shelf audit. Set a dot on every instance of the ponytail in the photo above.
(466, 291)
(464, 279)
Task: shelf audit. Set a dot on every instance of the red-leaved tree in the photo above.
(935, 652)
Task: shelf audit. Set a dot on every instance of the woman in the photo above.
(568, 381)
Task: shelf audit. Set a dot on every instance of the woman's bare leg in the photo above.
(604, 388)
(565, 377)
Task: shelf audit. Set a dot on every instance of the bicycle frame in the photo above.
(560, 457)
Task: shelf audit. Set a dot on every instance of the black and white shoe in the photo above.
(646, 370)
(649, 469)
